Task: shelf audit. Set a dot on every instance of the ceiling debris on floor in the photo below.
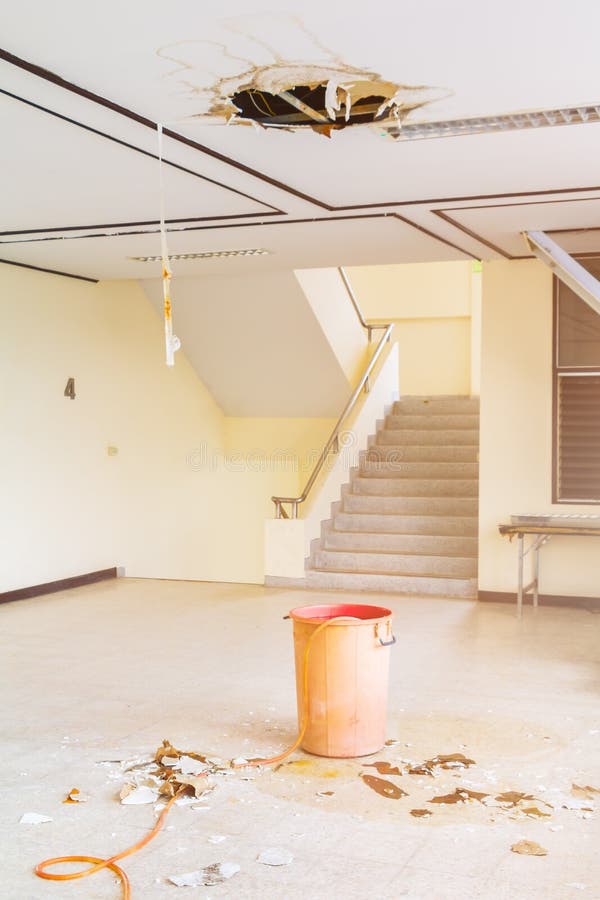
(32, 818)
(384, 787)
(216, 873)
(529, 848)
(75, 796)
(178, 777)
(275, 857)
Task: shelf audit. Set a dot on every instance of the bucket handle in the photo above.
(388, 643)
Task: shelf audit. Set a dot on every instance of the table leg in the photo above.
(536, 573)
(520, 587)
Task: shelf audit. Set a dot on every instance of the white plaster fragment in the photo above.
(191, 766)
(34, 819)
(275, 857)
(216, 873)
(140, 795)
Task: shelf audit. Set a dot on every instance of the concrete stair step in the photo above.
(432, 421)
(410, 506)
(421, 453)
(441, 404)
(465, 588)
(416, 487)
(395, 563)
(430, 437)
(426, 544)
(375, 468)
(397, 524)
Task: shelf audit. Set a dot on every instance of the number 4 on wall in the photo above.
(70, 388)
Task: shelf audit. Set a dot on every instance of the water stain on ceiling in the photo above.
(245, 79)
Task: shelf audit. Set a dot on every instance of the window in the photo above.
(576, 451)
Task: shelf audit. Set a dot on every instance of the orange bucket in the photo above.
(347, 677)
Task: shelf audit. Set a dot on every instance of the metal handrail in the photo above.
(333, 441)
(369, 327)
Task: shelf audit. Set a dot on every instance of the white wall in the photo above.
(176, 501)
(329, 301)
(516, 433)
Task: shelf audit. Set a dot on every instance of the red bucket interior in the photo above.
(323, 613)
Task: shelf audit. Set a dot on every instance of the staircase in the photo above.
(407, 522)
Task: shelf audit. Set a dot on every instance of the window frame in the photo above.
(557, 372)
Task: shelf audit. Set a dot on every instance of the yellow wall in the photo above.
(413, 290)
(174, 502)
(430, 306)
(290, 445)
(434, 355)
(516, 432)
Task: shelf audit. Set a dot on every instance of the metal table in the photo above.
(540, 535)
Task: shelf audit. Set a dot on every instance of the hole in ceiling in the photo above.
(306, 105)
(326, 98)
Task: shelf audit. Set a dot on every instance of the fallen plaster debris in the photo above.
(512, 798)
(32, 818)
(534, 812)
(384, 768)
(131, 795)
(75, 796)
(190, 766)
(275, 857)
(216, 873)
(441, 761)
(460, 795)
(529, 848)
(383, 787)
(185, 801)
(195, 784)
(587, 792)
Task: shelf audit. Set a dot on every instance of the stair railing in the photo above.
(369, 327)
(332, 444)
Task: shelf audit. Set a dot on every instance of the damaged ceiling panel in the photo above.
(376, 194)
(322, 98)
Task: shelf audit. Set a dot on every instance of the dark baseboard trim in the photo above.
(64, 584)
(591, 603)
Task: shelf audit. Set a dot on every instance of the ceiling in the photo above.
(84, 85)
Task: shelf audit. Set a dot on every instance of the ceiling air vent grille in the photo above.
(203, 254)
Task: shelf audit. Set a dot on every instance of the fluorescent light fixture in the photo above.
(204, 254)
(519, 121)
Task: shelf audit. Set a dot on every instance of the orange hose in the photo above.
(304, 724)
(98, 864)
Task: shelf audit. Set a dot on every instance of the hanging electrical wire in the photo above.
(172, 342)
